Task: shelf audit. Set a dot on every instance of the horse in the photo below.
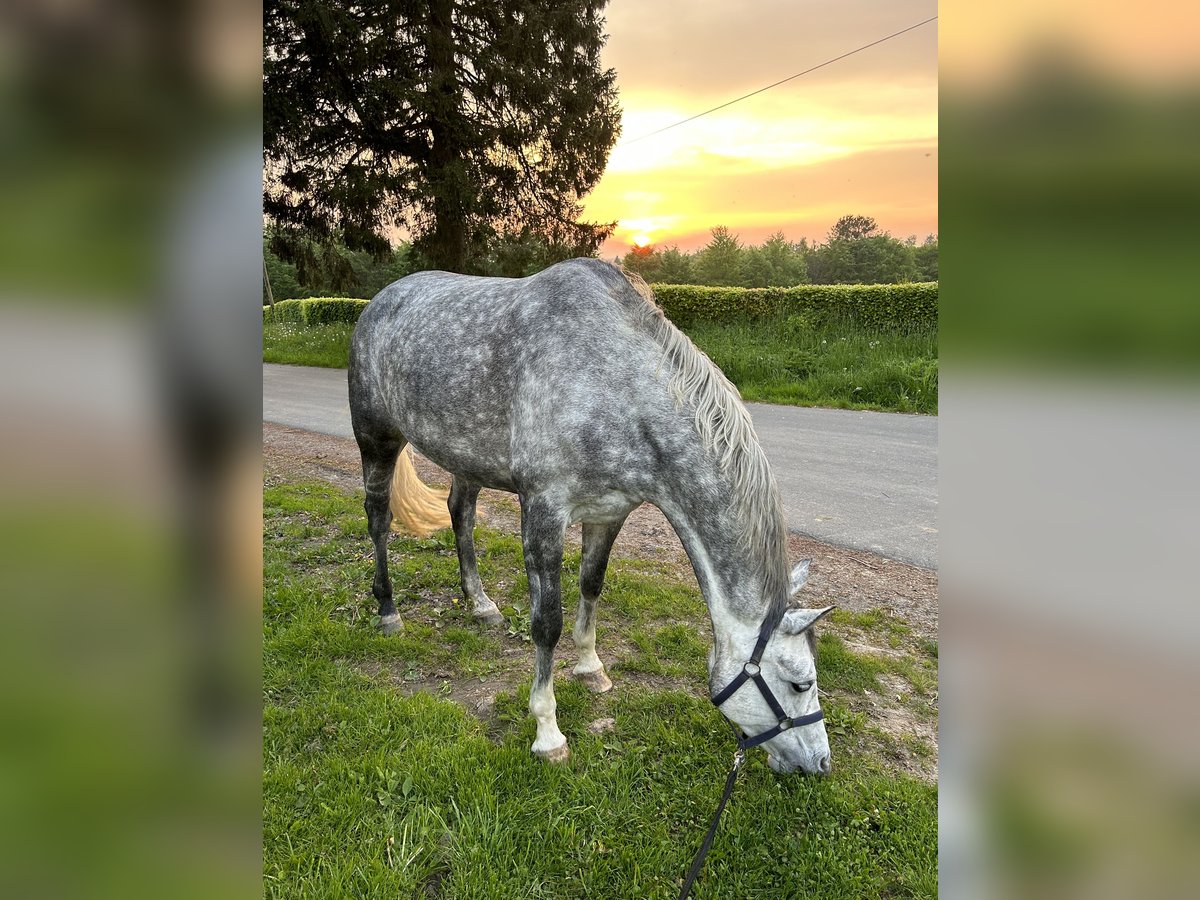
(571, 389)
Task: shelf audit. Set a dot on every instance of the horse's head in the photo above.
(788, 666)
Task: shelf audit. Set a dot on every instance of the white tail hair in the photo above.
(416, 508)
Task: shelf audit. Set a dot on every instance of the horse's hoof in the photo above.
(597, 682)
(491, 616)
(391, 624)
(559, 754)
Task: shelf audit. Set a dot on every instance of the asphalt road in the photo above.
(864, 480)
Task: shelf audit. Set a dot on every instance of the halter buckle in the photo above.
(785, 723)
(751, 668)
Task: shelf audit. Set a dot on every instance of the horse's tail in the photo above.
(416, 508)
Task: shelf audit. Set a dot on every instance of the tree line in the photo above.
(855, 252)
(306, 266)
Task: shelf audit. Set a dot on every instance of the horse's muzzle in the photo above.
(820, 766)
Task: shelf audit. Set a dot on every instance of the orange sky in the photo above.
(1144, 44)
(859, 136)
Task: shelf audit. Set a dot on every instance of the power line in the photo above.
(777, 83)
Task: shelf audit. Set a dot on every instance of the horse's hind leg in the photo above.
(463, 495)
(379, 462)
(597, 544)
(542, 528)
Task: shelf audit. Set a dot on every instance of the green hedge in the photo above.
(868, 304)
(317, 310)
(685, 304)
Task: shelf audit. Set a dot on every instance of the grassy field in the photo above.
(787, 360)
(307, 345)
(400, 767)
(835, 364)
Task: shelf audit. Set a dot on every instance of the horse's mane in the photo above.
(726, 429)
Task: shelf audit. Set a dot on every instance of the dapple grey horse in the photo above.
(571, 389)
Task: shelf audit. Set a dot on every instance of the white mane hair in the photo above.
(726, 429)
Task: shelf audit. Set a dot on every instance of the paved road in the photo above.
(864, 480)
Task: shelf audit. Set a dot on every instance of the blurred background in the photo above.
(130, 276)
(130, 269)
(1070, 328)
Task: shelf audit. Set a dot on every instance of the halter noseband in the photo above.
(752, 671)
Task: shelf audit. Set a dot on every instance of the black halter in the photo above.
(752, 671)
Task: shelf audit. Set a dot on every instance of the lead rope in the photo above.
(739, 757)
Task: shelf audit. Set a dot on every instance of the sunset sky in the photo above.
(859, 136)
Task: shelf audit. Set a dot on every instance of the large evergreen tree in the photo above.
(457, 119)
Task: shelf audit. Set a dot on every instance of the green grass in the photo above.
(369, 792)
(790, 360)
(786, 360)
(327, 346)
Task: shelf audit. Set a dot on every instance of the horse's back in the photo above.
(428, 361)
(506, 380)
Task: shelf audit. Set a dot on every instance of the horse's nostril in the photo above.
(823, 764)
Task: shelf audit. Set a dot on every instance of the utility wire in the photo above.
(777, 83)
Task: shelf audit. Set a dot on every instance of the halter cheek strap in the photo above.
(752, 671)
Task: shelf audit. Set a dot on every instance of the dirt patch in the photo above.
(913, 737)
(292, 453)
(477, 695)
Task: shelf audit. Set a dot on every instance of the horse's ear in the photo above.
(799, 576)
(797, 621)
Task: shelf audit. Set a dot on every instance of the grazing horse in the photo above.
(571, 389)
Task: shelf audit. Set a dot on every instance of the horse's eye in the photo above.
(801, 687)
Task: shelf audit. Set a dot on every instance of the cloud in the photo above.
(717, 50)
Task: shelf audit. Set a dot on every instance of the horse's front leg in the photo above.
(542, 527)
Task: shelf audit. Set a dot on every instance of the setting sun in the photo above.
(860, 136)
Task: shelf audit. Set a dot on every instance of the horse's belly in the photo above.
(609, 508)
(459, 423)
(484, 462)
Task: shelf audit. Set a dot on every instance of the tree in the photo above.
(830, 263)
(455, 119)
(777, 263)
(331, 270)
(720, 262)
(755, 269)
(857, 253)
(927, 259)
(516, 254)
(285, 284)
(853, 228)
(879, 259)
(643, 261)
(675, 266)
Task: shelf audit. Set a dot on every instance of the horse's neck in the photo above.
(709, 531)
